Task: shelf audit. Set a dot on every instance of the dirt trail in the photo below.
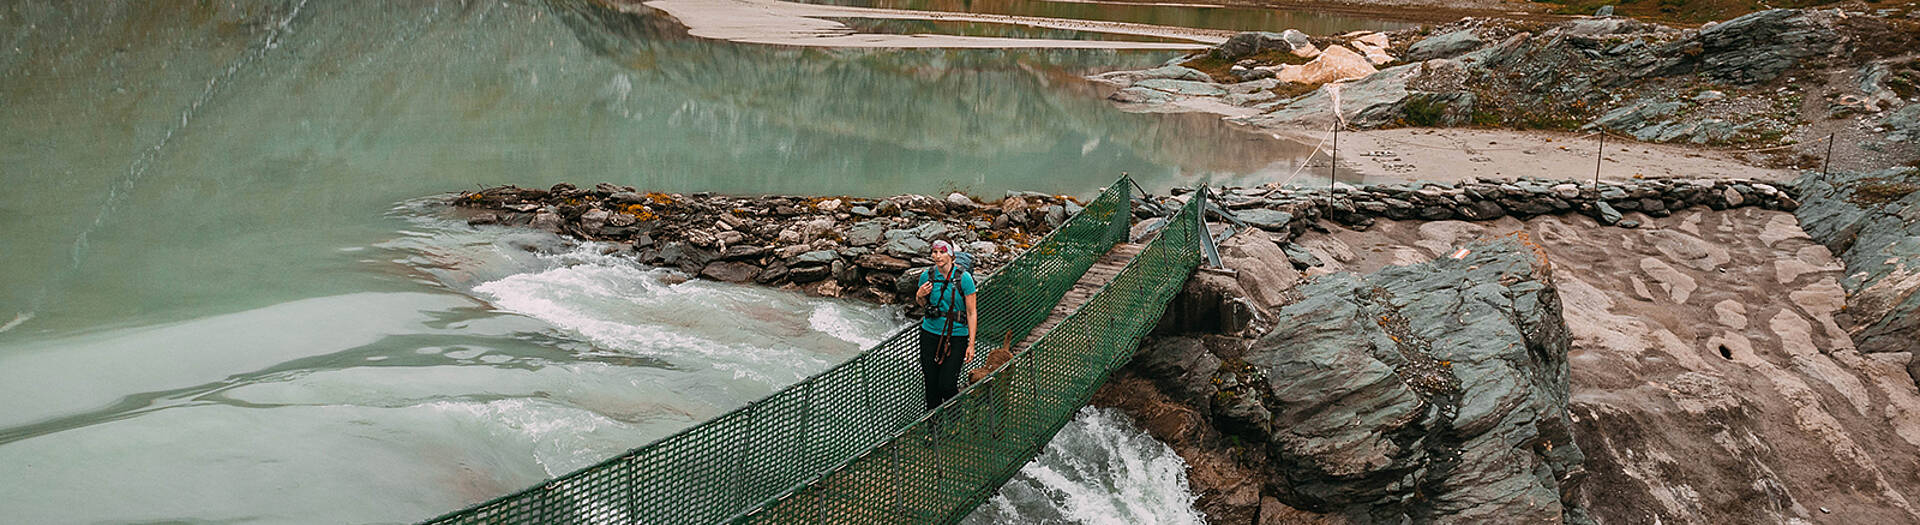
(775, 22)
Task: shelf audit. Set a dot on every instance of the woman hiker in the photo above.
(947, 291)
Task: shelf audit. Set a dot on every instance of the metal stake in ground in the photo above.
(1597, 158)
(1334, 168)
(1829, 161)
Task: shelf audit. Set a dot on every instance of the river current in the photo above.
(229, 294)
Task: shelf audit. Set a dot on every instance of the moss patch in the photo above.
(1220, 69)
(1425, 112)
(1882, 191)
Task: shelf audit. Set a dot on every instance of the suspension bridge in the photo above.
(855, 444)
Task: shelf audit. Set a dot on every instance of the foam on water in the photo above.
(846, 324)
(755, 334)
(562, 437)
(1100, 468)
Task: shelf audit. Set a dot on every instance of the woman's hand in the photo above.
(969, 349)
(921, 296)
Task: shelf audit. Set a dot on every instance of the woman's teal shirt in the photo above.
(947, 297)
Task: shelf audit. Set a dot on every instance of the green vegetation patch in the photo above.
(1881, 191)
(1221, 69)
(1425, 112)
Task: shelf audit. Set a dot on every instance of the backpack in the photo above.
(963, 261)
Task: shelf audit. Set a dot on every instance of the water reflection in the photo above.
(145, 139)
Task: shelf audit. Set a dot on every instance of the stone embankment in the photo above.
(828, 246)
(1288, 211)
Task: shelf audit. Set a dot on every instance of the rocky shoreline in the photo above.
(1782, 78)
(866, 248)
(858, 248)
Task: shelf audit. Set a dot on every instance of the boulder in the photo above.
(1605, 213)
(1760, 46)
(907, 247)
(866, 233)
(1265, 219)
(1636, 118)
(815, 257)
(1372, 39)
(807, 274)
(1055, 216)
(1480, 210)
(1140, 95)
(1251, 74)
(547, 220)
(1373, 382)
(1261, 268)
(1376, 100)
(1254, 42)
(1127, 78)
(1335, 64)
(744, 251)
(730, 271)
(881, 262)
(1446, 45)
(1183, 87)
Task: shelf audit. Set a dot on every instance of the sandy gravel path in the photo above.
(1446, 155)
(793, 24)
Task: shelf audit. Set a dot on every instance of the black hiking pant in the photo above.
(941, 368)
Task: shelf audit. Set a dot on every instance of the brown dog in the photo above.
(995, 359)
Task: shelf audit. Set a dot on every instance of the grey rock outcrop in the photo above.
(1432, 393)
(1760, 46)
(1710, 383)
(1182, 87)
(1904, 124)
(1379, 99)
(1435, 392)
(1254, 42)
(1603, 73)
(1871, 221)
(1128, 78)
(1444, 45)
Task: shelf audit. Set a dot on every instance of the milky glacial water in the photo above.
(228, 294)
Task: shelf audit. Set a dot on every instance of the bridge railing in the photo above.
(725, 466)
(943, 465)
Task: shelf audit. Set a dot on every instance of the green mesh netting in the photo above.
(812, 451)
(937, 469)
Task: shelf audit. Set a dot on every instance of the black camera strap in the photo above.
(946, 336)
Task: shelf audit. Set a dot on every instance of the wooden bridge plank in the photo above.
(1102, 272)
